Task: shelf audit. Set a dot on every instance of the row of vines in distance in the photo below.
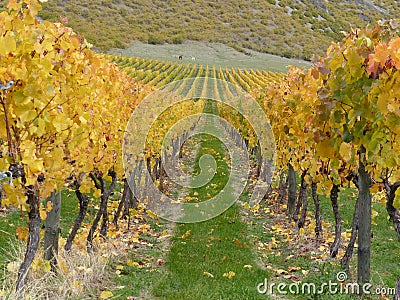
(158, 73)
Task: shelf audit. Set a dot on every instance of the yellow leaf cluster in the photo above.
(229, 274)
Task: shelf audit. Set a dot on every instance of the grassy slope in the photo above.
(212, 54)
(286, 27)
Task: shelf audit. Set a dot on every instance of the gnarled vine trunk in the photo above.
(291, 204)
(123, 203)
(83, 205)
(390, 193)
(345, 261)
(282, 188)
(364, 221)
(33, 238)
(301, 200)
(52, 230)
(338, 226)
(397, 292)
(100, 184)
(318, 221)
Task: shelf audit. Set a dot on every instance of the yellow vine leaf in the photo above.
(185, 235)
(41, 265)
(7, 44)
(15, 195)
(396, 202)
(22, 233)
(85, 188)
(374, 188)
(97, 193)
(49, 206)
(345, 151)
(43, 213)
(131, 263)
(151, 214)
(324, 149)
(106, 295)
(229, 274)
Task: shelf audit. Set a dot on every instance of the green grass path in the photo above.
(201, 253)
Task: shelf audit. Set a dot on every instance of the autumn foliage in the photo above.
(63, 111)
(339, 122)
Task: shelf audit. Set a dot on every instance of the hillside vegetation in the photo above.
(290, 28)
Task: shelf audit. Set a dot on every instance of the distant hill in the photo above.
(290, 28)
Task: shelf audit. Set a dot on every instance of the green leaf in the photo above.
(347, 137)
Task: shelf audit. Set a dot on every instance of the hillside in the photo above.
(290, 28)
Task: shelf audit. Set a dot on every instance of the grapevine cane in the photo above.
(5, 87)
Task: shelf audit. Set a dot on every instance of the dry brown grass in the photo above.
(80, 275)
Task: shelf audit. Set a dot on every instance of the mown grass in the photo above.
(136, 280)
(203, 254)
(196, 264)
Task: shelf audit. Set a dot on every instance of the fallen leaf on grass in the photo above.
(248, 267)
(229, 274)
(291, 277)
(22, 233)
(330, 240)
(293, 268)
(269, 267)
(208, 274)
(151, 214)
(106, 295)
(131, 263)
(185, 235)
(164, 234)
